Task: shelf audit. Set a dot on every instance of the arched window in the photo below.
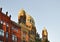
(14, 38)
(7, 25)
(6, 34)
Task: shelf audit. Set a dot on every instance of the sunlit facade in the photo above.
(28, 29)
(10, 31)
(23, 31)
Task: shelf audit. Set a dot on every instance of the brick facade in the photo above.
(10, 31)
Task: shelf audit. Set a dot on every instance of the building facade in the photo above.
(10, 31)
(23, 31)
(28, 29)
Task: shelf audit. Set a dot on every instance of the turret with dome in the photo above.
(44, 35)
(28, 24)
(24, 17)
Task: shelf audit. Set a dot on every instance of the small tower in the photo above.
(44, 35)
(22, 16)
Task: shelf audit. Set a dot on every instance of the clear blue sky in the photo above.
(45, 13)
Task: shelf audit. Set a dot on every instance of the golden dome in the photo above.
(21, 13)
(44, 31)
(29, 19)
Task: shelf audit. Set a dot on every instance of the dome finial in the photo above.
(44, 28)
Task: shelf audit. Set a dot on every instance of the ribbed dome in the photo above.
(44, 31)
(30, 19)
(21, 13)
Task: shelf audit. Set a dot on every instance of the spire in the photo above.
(44, 31)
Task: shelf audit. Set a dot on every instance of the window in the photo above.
(6, 34)
(1, 25)
(7, 24)
(31, 32)
(13, 28)
(1, 41)
(30, 20)
(28, 26)
(1, 22)
(24, 33)
(1, 32)
(22, 19)
(14, 38)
